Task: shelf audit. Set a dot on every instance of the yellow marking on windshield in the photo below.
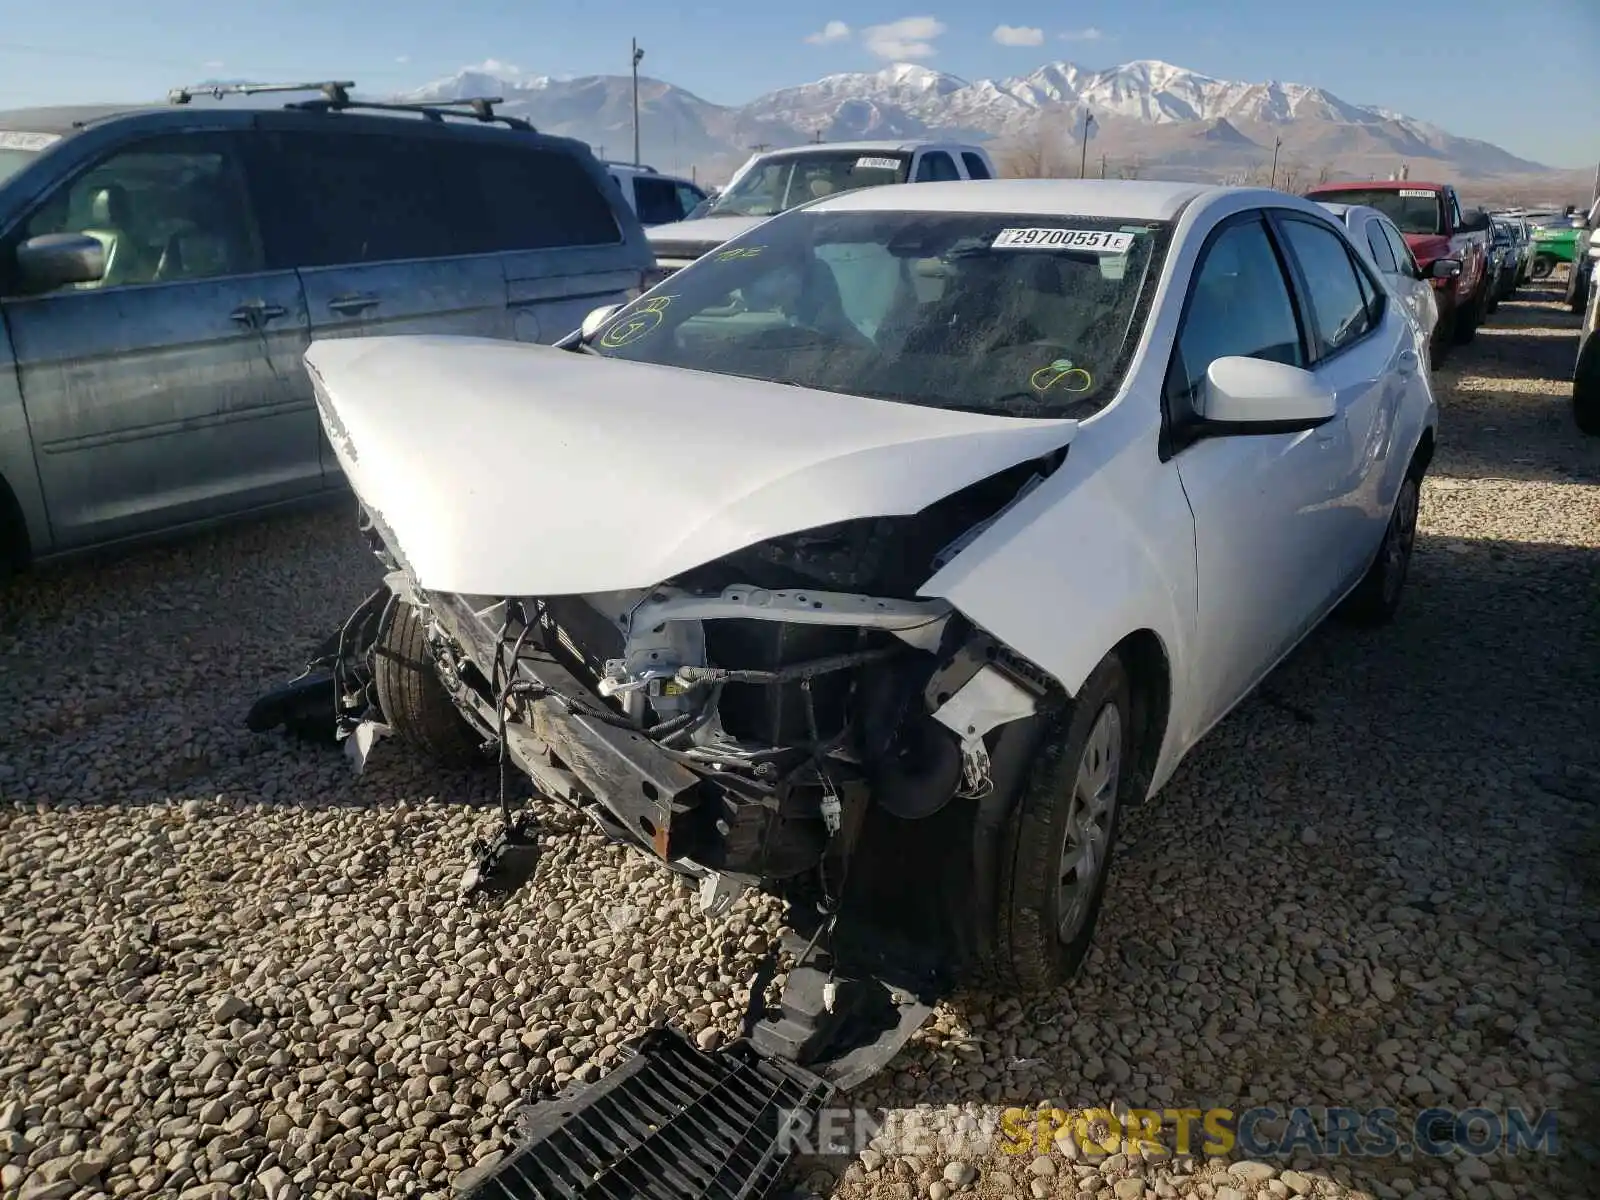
(642, 320)
(1062, 372)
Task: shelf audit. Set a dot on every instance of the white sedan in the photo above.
(886, 554)
(1385, 248)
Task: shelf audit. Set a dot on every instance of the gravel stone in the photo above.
(231, 968)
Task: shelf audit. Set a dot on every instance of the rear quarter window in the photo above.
(539, 197)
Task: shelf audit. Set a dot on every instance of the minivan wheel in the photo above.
(415, 705)
(1376, 598)
(1057, 849)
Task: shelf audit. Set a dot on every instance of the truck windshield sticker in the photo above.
(15, 139)
(1098, 241)
(877, 164)
(1416, 193)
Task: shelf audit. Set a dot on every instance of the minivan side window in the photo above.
(364, 198)
(165, 209)
(539, 198)
(976, 167)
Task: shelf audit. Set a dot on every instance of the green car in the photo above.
(1552, 244)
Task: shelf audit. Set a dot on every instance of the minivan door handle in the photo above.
(257, 312)
(357, 302)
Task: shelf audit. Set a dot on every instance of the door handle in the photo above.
(359, 302)
(1408, 362)
(257, 312)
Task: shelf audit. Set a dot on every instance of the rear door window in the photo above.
(372, 197)
(1382, 252)
(1344, 305)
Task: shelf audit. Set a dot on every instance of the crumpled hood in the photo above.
(510, 469)
(702, 234)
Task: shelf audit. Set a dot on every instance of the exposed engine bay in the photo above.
(777, 687)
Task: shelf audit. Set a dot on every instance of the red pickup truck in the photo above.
(1435, 226)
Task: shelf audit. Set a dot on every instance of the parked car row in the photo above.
(1439, 231)
(1583, 293)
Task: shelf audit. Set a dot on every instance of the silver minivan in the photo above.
(163, 270)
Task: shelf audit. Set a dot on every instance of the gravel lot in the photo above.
(227, 968)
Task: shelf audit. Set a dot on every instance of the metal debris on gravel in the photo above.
(228, 968)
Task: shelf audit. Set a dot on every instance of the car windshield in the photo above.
(777, 184)
(1414, 210)
(1032, 316)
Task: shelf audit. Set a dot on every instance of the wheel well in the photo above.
(1150, 675)
(14, 547)
(1422, 457)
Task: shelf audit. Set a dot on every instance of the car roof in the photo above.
(867, 147)
(1378, 185)
(67, 119)
(1144, 200)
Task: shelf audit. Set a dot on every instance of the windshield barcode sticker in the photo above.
(877, 164)
(11, 139)
(1416, 193)
(1100, 241)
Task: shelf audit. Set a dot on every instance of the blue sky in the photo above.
(1524, 75)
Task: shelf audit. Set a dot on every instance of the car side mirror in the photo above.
(1443, 268)
(1255, 395)
(54, 260)
(596, 318)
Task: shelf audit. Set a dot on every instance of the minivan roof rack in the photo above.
(336, 98)
(337, 91)
(618, 162)
(476, 108)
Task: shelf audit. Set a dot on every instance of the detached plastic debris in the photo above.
(672, 1122)
(504, 862)
(358, 746)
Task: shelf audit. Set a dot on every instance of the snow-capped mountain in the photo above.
(1149, 111)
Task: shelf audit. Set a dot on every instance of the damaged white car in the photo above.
(886, 554)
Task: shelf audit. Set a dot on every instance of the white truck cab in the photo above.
(778, 180)
(655, 198)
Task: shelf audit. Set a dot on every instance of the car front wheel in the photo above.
(1376, 598)
(1058, 845)
(415, 705)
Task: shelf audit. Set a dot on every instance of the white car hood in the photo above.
(509, 469)
(710, 231)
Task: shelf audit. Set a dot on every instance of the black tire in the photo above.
(1586, 386)
(1468, 320)
(1377, 597)
(1444, 336)
(1577, 288)
(414, 702)
(1543, 265)
(1031, 953)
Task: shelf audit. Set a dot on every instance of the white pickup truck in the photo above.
(778, 180)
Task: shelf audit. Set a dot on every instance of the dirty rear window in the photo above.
(1414, 210)
(1027, 315)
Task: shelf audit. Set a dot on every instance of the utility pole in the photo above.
(1102, 166)
(637, 55)
(1277, 144)
(1596, 194)
(761, 147)
(818, 137)
(1083, 156)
